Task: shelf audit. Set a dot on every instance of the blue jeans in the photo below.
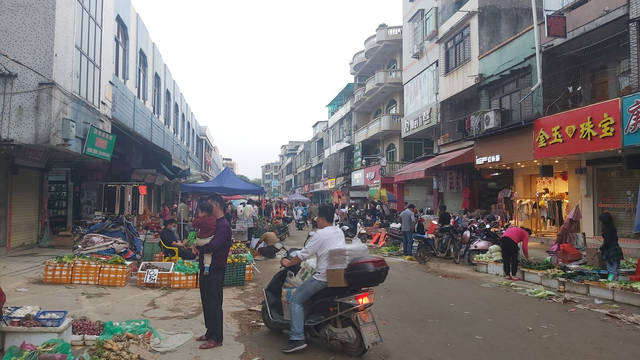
(302, 294)
(407, 242)
(612, 267)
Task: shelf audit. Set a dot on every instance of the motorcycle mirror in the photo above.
(488, 226)
(434, 222)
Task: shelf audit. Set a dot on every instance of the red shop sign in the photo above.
(372, 175)
(587, 129)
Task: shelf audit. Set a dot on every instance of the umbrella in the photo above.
(297, 198)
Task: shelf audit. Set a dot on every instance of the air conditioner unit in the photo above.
(416, 51)
(490, 120)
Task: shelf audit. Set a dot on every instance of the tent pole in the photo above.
(181, 218)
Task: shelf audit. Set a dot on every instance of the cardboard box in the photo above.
(335, 278)
(594, 258)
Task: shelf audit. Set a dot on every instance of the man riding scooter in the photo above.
(327, 237)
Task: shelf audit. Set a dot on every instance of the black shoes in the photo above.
(293, 346)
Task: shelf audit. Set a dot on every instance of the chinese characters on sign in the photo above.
(591, 128)
(631, 119)
(487, 159)
(99, 143)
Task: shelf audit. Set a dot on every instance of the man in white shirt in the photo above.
(328, 237)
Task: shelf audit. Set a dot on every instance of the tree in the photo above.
(254, 181)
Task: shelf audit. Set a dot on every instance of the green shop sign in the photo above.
(357, 156)
(99, 144)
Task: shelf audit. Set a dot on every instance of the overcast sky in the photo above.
(260, 73)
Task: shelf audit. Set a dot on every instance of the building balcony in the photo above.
(377, 49)
(358, 61)
(380, 125)
(369, 95)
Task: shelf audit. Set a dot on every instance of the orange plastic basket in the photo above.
(184, 281)
(114, 275)
(57, 273)
(85, 272)
(248, 273)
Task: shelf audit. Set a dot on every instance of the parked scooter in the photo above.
(484, 236)
(336, 316)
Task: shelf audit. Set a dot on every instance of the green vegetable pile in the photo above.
(629, 263)
(389, 250)
(554, 273)
(69, 259)
(532, 265)
(540, 293)
(186, 267)
(580, 277)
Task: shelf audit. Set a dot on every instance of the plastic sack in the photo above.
(190, 267)
(137, 327)
(191, 239)
(15, 352)
(307, 269)
(61, 348)
(291, 281)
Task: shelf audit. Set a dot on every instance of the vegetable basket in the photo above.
(51, 318)
(235, 274)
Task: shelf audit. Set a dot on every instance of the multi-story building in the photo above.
(270, 179)
(287, 169)
(90, 116)
(229, 163)
(377, 108)
(338, 163)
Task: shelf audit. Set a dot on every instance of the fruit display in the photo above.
(239, 248)
(87, 327)
(238, 259)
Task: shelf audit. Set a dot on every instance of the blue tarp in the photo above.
(227, 183)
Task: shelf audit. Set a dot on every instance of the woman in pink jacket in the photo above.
(509, 244)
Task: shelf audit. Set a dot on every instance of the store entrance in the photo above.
(490, 184)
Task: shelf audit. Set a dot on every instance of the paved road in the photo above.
(428, 312)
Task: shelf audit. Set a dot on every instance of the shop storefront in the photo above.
(504, 167)
(617, 182)
(441, 179)
(573, 149)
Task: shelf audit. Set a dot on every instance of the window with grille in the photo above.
(391, 153)
(121, 49)
(176, 115)
(157, 95)
(182, 125)
(507, 96)
(142, 76)
(167, 109)
(413, 149)
(430, 23)
(458, 49)
(417, 34)
(88, 51)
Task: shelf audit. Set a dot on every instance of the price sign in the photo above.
(151, 276)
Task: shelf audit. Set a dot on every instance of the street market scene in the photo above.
(453, 179)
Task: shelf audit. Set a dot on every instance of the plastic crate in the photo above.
(85, 272)
(164, 278)
(57, 273)
(149, 250)
(158, 257)
(183, 281)
(51, 322)
(248, 273)
(114, 275)
(234, 274)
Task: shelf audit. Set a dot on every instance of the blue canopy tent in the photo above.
(226, 183)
